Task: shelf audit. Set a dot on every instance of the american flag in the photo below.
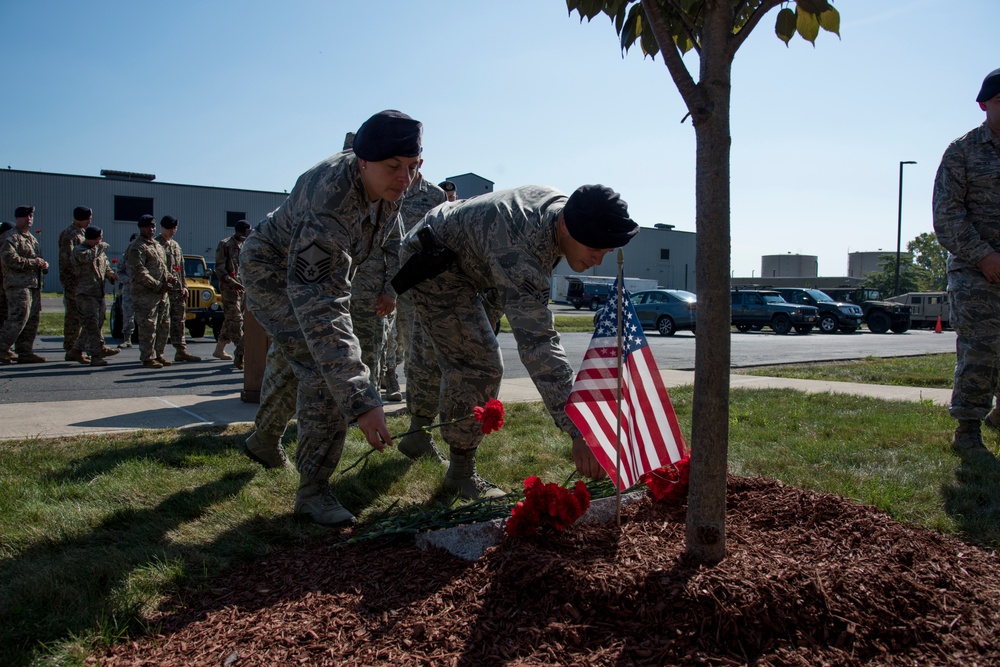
(650, 434)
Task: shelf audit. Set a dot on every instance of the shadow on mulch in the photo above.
(810, 579)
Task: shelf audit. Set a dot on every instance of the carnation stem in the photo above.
(410, 432)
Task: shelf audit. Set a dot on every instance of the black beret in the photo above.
(243, 226)
(991, 86)
(92, 232)
(4, 226)
(23, 211)
(168, 222)
(597, 217)
(388, 134)
(447, 186)
(147, 221)
(82, 213)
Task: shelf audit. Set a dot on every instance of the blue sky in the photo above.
(250, 94)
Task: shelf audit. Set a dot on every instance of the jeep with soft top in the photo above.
(757, 308)
(880, 315)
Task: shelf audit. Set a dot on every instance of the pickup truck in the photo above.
(755, 309)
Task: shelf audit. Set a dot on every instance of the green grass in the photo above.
(51, 324)
(95, 532)
(932, 370)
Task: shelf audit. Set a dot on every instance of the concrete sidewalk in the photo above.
(75, 418)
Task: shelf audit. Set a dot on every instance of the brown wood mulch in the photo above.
(810, 579)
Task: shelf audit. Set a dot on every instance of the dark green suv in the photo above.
(757, 308)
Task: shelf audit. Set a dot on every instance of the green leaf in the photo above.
(816, 7)
(784, 26)
(830, 21)
(808, 26)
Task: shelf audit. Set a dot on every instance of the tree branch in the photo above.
(672, 57)
(763, 8)
(689, 26)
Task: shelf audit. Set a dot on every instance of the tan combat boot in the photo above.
(163, 361)
(462, 479)
(182, 355)
(152, 363)
(32, 358)
(315, 502)
(417, 442)
(109, 351)
(220, 351)
(968, 441)
(98, 360)
(77, 356)
(266, 450)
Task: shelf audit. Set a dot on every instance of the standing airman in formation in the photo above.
(151, 280)
(178, 292)
(69, 239)
(227, 270)
(91, 268)
(23, 267)
(4, 228)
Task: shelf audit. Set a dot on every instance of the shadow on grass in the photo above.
(973, 500)
(59, 589)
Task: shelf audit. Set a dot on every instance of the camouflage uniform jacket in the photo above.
(175, 261)
(507, 250)
(319, 235)
(227, 261)
(92, 268)
(69, 239)
(418, 200)
(967, 198)
(147, 262)
(19, 254)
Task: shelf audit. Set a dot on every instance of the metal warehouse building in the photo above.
(118, 198)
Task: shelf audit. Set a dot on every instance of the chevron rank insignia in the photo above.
(312, 264)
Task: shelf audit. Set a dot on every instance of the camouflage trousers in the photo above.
(128, 312)
(91, 311)
(370, 330)
(389, 353)
(292, 378)
(151, 322)
(3, 306)
(975, 316)
(176, 311)
(454, 362)
(24, 304)
(232, 324)
(71, 322)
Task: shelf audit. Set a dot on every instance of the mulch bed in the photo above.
(810, 579)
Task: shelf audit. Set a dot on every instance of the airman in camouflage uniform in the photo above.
(967, 223)
(297, 269)
(23, 266)
(69, 239)
(418, 200)
(151, 280)
(227, 270)
(92, 268)
(178, 293)
(128, 310)
(504, 247)
(4, 228)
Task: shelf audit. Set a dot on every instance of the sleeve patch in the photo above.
(313, 264)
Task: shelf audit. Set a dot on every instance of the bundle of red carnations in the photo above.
(547, 506)
(669, 484)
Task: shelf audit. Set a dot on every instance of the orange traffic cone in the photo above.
(937, 327)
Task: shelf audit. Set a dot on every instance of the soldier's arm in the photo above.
(319, 290)
(140, 274)
(15, 261)
(951, 224)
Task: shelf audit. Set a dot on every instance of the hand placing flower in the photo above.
(490, 415)
(547, 506)
(669, 484)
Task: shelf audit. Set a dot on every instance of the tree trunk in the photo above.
(706, 517)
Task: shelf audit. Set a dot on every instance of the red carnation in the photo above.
(177, 269)
(114, 261)
(38, 231)
(491, 416)
(547, 505)
(669, 484)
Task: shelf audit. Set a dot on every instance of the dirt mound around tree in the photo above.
(810, 579)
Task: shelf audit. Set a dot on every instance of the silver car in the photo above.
(666, 310)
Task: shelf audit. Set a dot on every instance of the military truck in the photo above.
(926, 308)
(880, 315)
(204, 303)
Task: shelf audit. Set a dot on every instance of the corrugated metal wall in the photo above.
(200, 210)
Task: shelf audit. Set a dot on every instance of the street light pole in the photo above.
(899, 224)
